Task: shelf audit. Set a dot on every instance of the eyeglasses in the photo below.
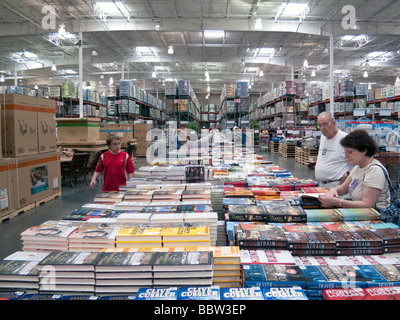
(323, 125)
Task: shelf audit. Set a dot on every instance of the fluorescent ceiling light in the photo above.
(252, 69)
(382, 56)
(68, 71)
(365, 75)
(214, 34)
(111, 8)
(294, 9)
(61, 30)
(258, 24)
(313, 73)
(161, 68)
(352, 37)
(170, 49)
(53, 67)
(143, 49)
(266, 51)
(261, 74)
(153, 75)
(305, 63)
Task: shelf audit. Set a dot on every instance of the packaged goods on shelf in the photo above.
(69, 90)
(170, 88)
(126, 88)
(111, 90)
(229, 89)
(242, 89)
(183, 87)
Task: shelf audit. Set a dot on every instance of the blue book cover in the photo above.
(11, 295)
(199, 293)
(252, 293)
(293, 293)
(157, 294)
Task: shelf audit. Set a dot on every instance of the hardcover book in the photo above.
(270, 275)
(293, 293)
(199, 293)
(157, 294)
(252, 293)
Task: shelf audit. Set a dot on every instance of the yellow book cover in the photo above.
(139, 234)
(179, 233)
(226, 255)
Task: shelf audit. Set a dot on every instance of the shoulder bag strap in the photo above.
(391, 189)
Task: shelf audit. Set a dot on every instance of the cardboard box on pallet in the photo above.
(47, 141)
(122, 130)
(36, 177)
(20, 118)
(7, 170)
(78, 131)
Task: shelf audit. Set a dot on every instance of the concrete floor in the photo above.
(74, 198)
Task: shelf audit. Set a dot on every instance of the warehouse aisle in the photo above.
(74, 198)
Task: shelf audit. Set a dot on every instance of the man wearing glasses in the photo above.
(331, 168)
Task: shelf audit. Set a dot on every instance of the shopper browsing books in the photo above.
(332, 167)
(366, 183)
(114, 164)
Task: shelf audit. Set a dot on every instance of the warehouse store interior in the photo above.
(217, 101)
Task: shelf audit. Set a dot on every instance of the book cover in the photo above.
(199, 293)
(293, 293)
(359, 214)
(270, 275)
(109, 197)
(84, 261)
(19, 270)
(252, 293)
(126, 261)
(286, 214)
(344, 294)
(261, 236)
(323, 215)
(247, 213)
(184, 261)
(185, 232)
(157, 294)
(140, 233)
(266, 257)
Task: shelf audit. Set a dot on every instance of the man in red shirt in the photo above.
(115, 164)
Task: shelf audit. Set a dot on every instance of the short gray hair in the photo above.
(327, 113)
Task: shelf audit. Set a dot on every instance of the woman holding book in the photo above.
(115, 164)
(366, 183)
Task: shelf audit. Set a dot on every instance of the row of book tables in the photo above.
(250, 231)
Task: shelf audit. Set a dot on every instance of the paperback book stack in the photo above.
(124, 272)
(305, 239)
(139, 236)
(261, 236)
(19, 271)
(93, 237)
(217, 195)
(138, 195)
(86, 214)
(280, 257)
(227, 266)
(68, 272)
(109, 197)
(273, 275)
(133, 218)
(186, 235)
(353, 239)
(51, 235)
(190, 268)
(205, 218)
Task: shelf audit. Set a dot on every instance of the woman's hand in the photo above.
(328, 200)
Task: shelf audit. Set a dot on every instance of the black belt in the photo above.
(329, 181)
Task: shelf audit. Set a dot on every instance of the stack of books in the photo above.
(208, 218)
(283, 257)
(217, 196)
(19, 271)
(138, 195)
(93, 237)
(109, 197)
(139, 236)
(186, 235)
(227, 266)
(124, 272)
(50, 235)
(68, 272)
(189, 268)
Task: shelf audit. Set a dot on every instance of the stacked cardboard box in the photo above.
(30, 169)
(78, 131)
(122, 130)
(139, 133)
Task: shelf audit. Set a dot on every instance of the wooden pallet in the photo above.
(30, 206)
(287, 150)
(274, 146)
